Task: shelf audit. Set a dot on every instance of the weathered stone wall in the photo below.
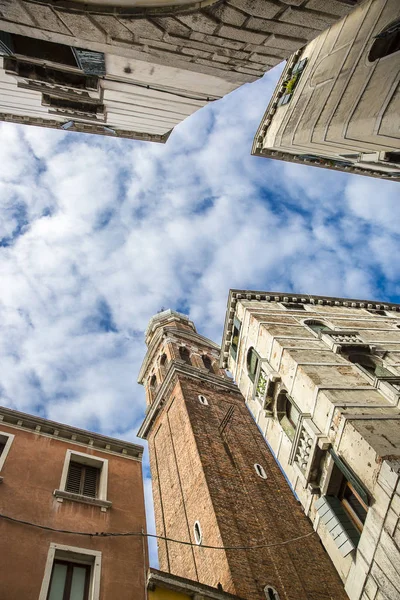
(236, 39)
(355, 414)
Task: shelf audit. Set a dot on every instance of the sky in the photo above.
(98, 234)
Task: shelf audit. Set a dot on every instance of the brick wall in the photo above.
(201, 474)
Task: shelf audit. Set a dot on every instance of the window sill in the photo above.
(61, 495)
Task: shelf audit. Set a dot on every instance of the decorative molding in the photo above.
(259, 296)
(66, 433)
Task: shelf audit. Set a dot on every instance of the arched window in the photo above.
(153, 381)
(185, 354)
(386, 42)
(207, 363)
(163, 360)
(252, 363)
(260, 471)
(316, 326)
(288, 414)
(198, 536)
(203, 400)
(271, 593)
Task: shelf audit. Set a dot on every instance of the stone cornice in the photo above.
(173, 332)
(180, 367)
(66, 433)
(257, 296)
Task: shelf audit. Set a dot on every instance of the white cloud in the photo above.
(98, 233)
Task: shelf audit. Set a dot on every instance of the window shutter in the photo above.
(91, 63)
(90, 481)
(350, 476)
(74, 477)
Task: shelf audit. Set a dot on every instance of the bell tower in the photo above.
(215, 482)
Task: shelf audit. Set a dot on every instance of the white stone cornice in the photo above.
(259, 296)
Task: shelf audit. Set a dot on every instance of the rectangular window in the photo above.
(71, 573)
(82, 479)
(353, 504)
(293, 306)
(235, 337)
(69, 581)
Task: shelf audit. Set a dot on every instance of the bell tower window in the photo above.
(185, 354)
(207, 363)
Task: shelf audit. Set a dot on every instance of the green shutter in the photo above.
(350, 476)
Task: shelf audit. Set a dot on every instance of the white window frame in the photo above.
(73, 554)
(202, 399)
(87, 459)
(259, 469)
(93, 461)
(198, 536)
(7, 439)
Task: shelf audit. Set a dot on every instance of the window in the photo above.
(387, 42)
(292, 414)
(84, 479)
(6, 439)
(185, 354)
(373, 366)
(288, 414)
(69, 581)
(235, 337)
(271, 593)
(207, 363)
(284, 99)
(198, 536)
(293, 306)
(316, 326)
(260, 471)
(203, 400)
(71, 573)
(353, 504)
(252, 363)
(377, 311)
(345, 486)
(153, 381)
(163, 360)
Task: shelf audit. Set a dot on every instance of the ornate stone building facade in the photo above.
(136, 69)
(337, 102)
(321, 377)
(216, 485)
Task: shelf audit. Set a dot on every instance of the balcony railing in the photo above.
(337, 339)
(307, 446)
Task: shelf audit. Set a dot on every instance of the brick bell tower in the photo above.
(215, 483)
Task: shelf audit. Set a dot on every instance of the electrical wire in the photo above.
(152, 535)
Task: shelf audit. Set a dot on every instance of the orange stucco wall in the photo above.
(31, 472)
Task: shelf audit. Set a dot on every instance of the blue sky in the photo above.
(97, 234)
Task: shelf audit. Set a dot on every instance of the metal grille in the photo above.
(91, 63)
(82, 480)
